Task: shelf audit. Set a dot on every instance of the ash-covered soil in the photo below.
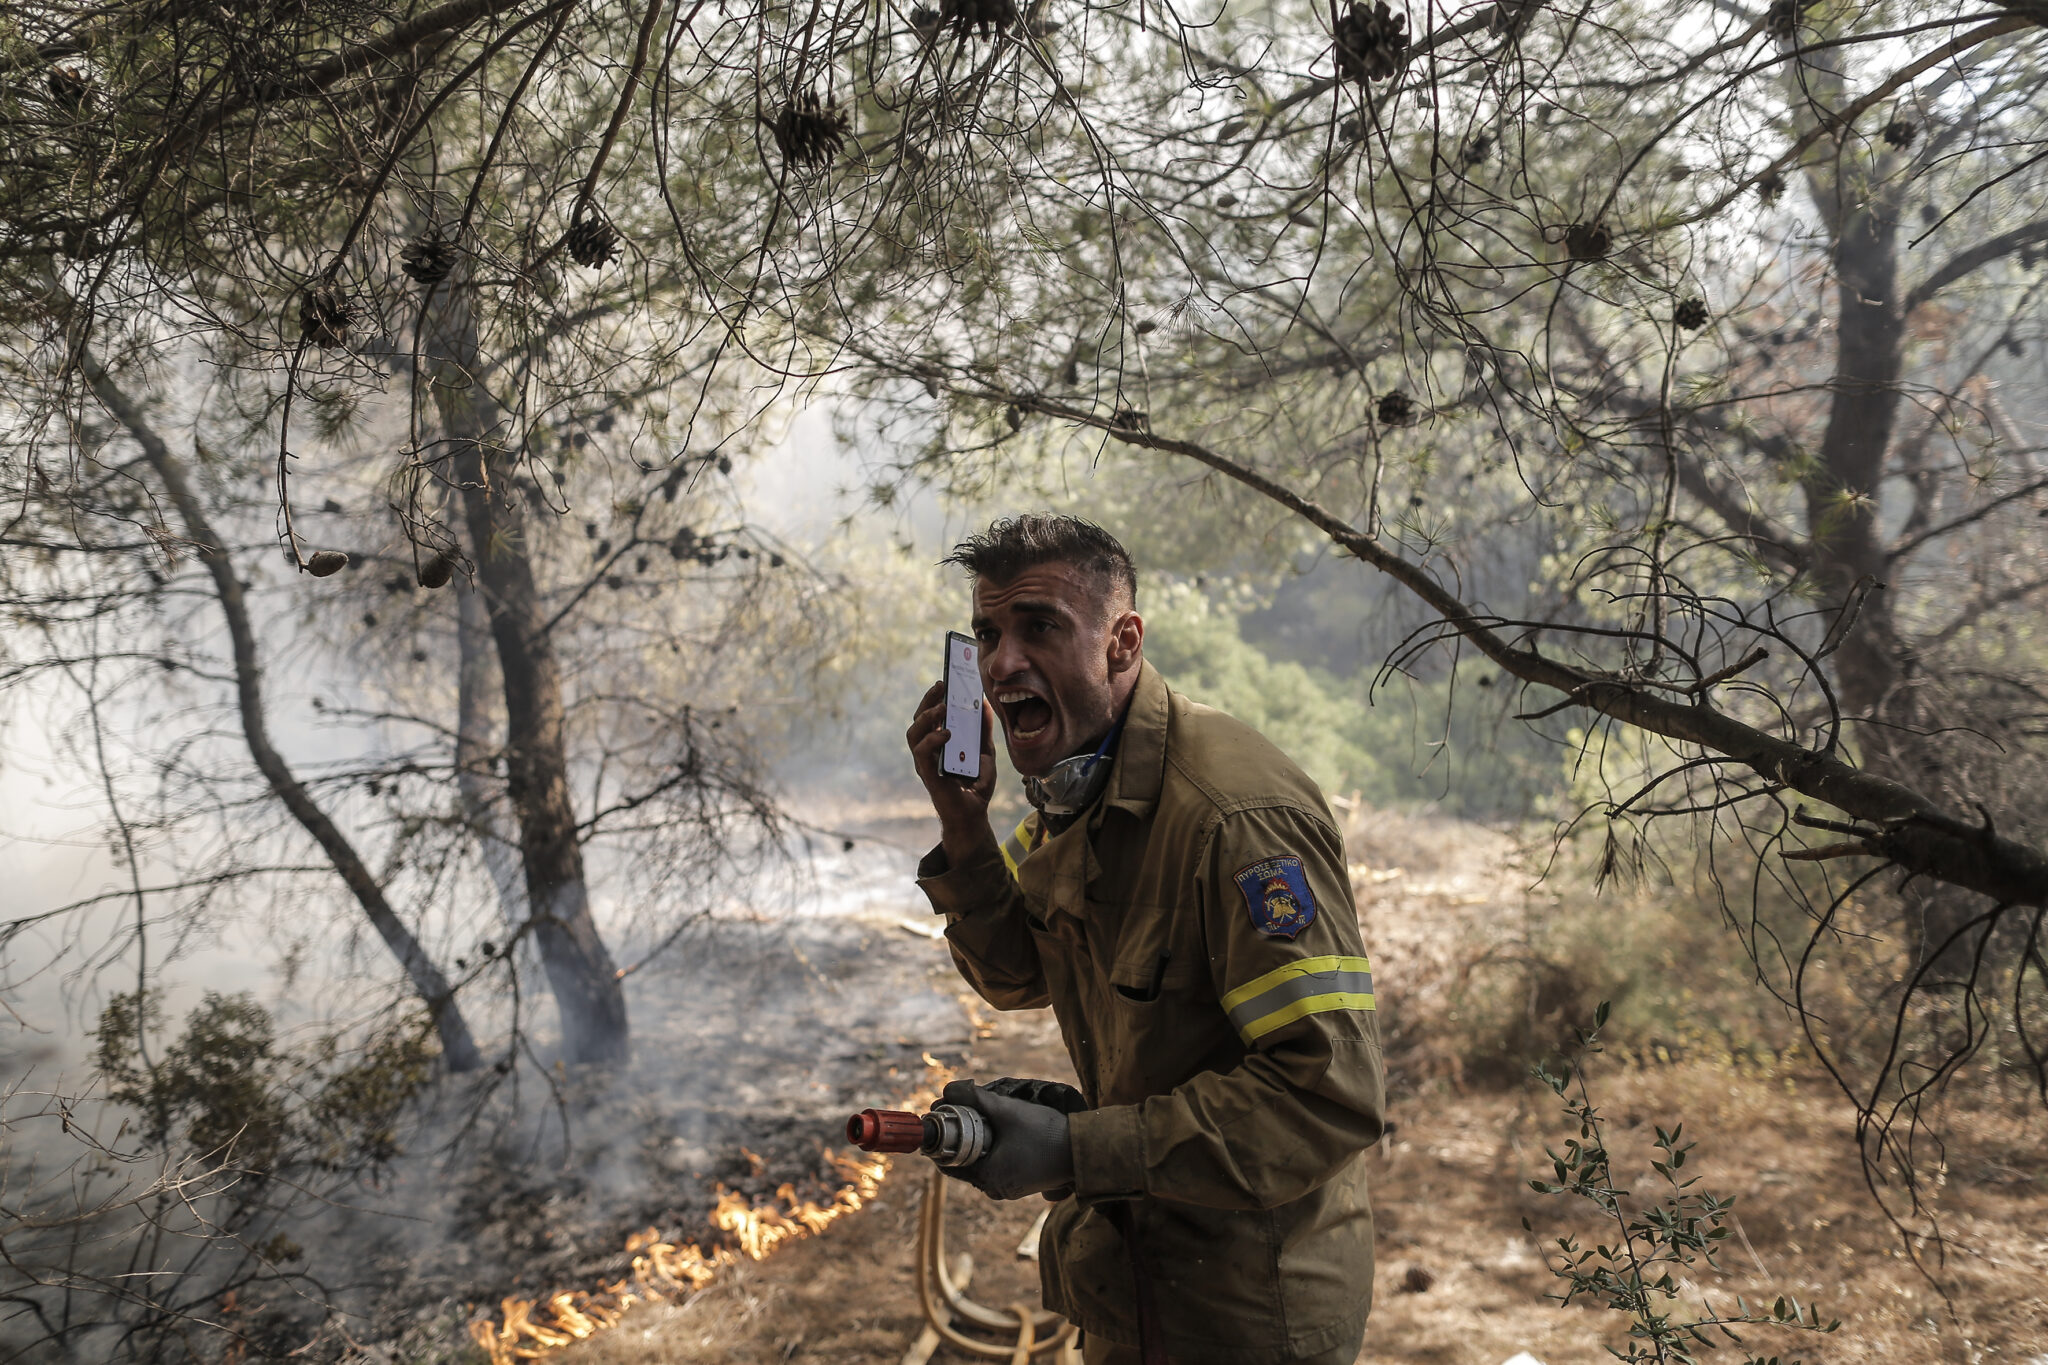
(754, 1038)
(1460, 1280)
(755, 1046)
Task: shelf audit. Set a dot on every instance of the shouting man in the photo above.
(1178, 895)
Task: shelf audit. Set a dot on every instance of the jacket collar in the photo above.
(1066, 863)
(1141, 753)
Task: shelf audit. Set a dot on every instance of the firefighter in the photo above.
(1178, 896)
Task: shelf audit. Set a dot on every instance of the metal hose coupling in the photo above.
(951, 1134)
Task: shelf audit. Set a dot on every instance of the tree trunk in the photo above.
(588, 996)
(473, 728)
(1842, 493)
(1873, 666)
(458, 1049)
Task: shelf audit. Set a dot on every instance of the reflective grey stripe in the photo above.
(1014, 853)
(1299, 988)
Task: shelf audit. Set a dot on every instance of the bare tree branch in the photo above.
(1907, 828)
(458, 1047)
(1975, 258)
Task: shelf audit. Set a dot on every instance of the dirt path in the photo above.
(1450, 1193)
(1460, 1281)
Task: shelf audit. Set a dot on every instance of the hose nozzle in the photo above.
(951, 1134)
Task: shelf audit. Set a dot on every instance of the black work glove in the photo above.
(1029, 1151)
(1053, 1094)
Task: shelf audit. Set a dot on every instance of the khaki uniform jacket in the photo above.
(1234, 1069)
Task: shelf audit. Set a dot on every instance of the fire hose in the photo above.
(951, 1134)
(954, 1135)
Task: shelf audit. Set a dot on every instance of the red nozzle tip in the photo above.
(885, 1130)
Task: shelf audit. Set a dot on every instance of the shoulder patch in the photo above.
(1276, 892)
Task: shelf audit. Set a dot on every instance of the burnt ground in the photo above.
(1450, 1194)
(748, 1061)
(782, 1030)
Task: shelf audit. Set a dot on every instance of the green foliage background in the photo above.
(1386, 741)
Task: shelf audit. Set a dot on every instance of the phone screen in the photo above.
(963, 706)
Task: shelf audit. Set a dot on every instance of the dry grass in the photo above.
(1450, 1196)
(1451, 1189)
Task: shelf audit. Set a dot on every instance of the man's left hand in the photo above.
(1030, 1152)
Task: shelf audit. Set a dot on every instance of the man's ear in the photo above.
(1126, 642)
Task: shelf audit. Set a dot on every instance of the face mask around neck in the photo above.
(1074, 783)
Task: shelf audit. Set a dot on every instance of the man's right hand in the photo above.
(1032, 1151)
(962, 803)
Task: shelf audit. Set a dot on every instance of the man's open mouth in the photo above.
(1025, 714)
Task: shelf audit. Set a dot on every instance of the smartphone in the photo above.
(963, 706)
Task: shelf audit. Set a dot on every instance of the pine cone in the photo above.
(592, 242)
(1510, 16)
(1691, 314)
(986, 17)
(809, 132)
(1372, 44)
(436, 572)
(68, 89)
(1477, 148)
(1588, 241)
(322, 563)
(1397, 409)
(325, 317)
(428, 260)
(1781, 20)
(925, 21)
(1901, 132)
(1770, 186)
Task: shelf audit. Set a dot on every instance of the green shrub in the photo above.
(1660, 1244)
(1405, 742)
(226, 1089)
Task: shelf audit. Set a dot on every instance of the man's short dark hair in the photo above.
(1013, 544)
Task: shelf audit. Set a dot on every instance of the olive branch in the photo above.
(1644, 1273)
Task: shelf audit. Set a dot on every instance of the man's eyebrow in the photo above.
(1036, 606)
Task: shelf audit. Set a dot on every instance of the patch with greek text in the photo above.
(1276, 892)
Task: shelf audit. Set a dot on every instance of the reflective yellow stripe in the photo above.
(1017, 847)
(1314, 1004)
(1303, 966)
(1309, 985)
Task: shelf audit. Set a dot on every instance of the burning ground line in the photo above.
(529, 1329)
(663, 1271)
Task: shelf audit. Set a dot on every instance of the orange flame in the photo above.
(527, 1329)
(665, 1270)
